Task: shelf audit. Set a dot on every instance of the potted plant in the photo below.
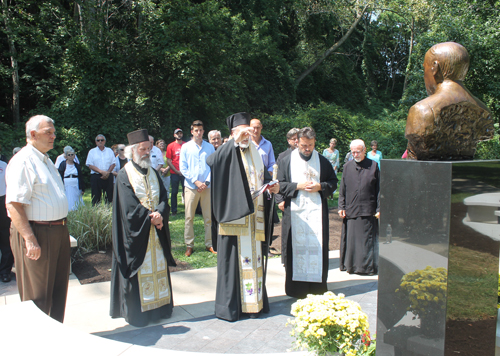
(329, 324)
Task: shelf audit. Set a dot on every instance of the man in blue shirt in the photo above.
(194, 168)
(264, 147)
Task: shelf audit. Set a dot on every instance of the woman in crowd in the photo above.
(165, 170)
(374, 155)
(72, 177)
(332, 154)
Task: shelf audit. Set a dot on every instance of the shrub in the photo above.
(91, 226)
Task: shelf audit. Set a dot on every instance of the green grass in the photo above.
(200, 258)
(470, 286)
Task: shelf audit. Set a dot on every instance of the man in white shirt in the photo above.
(37, 205)
(156, 156)
(101, 161)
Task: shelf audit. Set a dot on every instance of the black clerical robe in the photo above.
(131, 233)
(359, 196)
(231, 200)
(288, 190)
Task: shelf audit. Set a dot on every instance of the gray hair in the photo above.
(307, 132)
(151, 138)
(212, 133)
(100, 135)
(34, 123)
(68, 149)
(120, 146)
(129, 151)
(356, 143)
(15, 150)
(292, 133)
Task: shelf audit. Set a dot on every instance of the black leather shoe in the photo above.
(5, 278)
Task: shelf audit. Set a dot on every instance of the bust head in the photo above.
(445, 61)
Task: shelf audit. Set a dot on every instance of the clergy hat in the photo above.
(137, 136)
(241, 118)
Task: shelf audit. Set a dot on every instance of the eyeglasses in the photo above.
(70, 154)
(121, 149)
(100, 140)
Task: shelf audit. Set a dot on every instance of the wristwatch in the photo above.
(207, 183)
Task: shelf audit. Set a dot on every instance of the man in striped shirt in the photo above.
(37, 204)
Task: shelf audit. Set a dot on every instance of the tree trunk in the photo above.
(13, 62)
(412, 34)
(331, 49)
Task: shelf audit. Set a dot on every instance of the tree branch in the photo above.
(331, 49)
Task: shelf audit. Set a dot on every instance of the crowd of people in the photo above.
(236, 181)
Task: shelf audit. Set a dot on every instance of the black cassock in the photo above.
(231, 200)
(131, 227)
(288, 190)
(359, 196)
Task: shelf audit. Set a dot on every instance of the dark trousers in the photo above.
(99, 187)
(44, 281)
(7, 259)
(175, 179)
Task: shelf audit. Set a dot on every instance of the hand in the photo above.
(281, 206)
(201, 186)
(33, 250)
(312, 187)
(156, 219)
(105, 175)
(377, 215)
(342, 213)
(275, 188)
(243, 134)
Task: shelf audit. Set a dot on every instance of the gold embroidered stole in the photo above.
(250, 232)
(154, 287)
(306, 218)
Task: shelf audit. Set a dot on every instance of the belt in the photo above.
(71, 176)
(51, 223)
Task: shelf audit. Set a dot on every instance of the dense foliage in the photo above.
(111, 66)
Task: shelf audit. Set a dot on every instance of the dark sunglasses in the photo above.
(99, 140)
(70, 154)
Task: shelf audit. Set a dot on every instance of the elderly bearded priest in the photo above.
(238, 171)
(141, 291)
(306, 180)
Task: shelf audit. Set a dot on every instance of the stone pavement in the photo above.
(193, 326)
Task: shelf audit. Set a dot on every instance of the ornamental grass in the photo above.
(330, 323)
(91, 226)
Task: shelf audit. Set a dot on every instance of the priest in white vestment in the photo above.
(306, 180)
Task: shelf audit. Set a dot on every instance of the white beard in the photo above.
(143, 162)
(358, 160)
(245, 145)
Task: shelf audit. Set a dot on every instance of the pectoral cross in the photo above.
(309, 173)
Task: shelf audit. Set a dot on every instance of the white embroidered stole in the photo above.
(249, 231)
(306, 220)
(154, 288)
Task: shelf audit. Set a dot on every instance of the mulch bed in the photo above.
(96, 266)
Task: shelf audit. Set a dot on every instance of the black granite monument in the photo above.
(439, 247)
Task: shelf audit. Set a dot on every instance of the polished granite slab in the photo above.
(439, 247)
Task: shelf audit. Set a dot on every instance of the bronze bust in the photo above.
(449, 123)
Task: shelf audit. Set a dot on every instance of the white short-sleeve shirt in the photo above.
(33, 180)
(101, 159)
